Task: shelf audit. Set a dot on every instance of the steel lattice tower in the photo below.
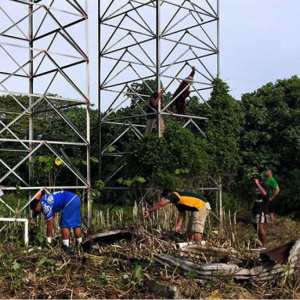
(43, 49)
(151, 39)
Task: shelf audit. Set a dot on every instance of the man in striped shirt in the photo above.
(186, 201)
(69, 205)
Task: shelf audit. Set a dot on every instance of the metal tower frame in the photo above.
(152, 39)
(47, 24)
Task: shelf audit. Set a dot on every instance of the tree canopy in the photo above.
(262, 130)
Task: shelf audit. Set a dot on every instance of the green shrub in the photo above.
(177, 160)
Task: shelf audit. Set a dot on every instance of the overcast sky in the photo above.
(260, 42)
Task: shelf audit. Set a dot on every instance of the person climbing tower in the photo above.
(152, 108)
(182, 92)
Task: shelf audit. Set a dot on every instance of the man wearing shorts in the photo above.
(186, 201)
(260, 210)
(274, 191)
(69, 205)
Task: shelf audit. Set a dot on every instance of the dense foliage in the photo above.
(262, 130)
(175, 161)
(223, 129)
(271, 136)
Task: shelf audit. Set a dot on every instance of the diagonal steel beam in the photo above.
(13, 59)
(113, 34)
(23, 208)
(173, 17)
(26, 111)
(141, 47)
(22, 66)
(110, 111)
(178, 22)
(128, 81)
(114, 15)
(189, 27)
(48, 7)
(201, 11)
(13, 22)
(5, 91)
(66, 119)
(203, 65)
(127, 29)
(17, 138)
(21, 162)
(139, 24)
(12, 95)
(57, 30)
(40, 50)
(176, 60)
(191, 59)
(112, 141)
(48, 48)
(4, 203)
(67, 35)
(6, 166)
(174, 47)
(207, 35)
(201, 41)
(18, 22)
(82, 179)
(105, 12)
(49, 142)
(117, 74)
(67, 77)
(137, 12)
(200, 8)
(42, 22)
(128, 46)
(140, 60)
(77, 7)
(61, 68)
(116, 43)
(113, 102)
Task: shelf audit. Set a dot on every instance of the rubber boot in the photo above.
(66, 249)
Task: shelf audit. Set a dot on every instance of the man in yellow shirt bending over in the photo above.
(186, 201)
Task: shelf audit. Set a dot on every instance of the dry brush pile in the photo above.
(121, 265)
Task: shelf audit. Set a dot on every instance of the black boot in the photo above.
(66, 248)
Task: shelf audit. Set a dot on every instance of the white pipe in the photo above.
(26, 239)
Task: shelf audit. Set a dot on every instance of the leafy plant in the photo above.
(176, 161)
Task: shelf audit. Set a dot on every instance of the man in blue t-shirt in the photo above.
(69, 205)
